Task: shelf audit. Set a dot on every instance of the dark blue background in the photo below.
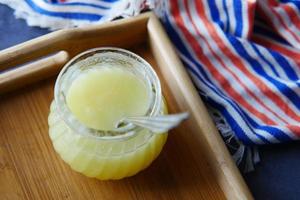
(277, 176)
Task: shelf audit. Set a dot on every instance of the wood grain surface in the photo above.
(194, 163)
(30, 168)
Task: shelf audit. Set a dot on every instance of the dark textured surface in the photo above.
(14, 31)
(276, 177)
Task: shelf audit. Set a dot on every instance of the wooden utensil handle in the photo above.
(32, 72)
(34, 49)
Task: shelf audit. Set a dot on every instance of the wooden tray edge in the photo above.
(229, 177)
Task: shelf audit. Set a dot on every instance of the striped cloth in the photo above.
(243, 57)
(58, 14)
(244, 64)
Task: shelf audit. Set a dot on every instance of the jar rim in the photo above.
(120, 133)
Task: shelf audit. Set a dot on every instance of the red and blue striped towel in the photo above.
(243, 56)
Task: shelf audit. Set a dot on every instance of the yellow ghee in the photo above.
(99, 98)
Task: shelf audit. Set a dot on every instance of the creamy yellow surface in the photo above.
(100, 98)
(122, 95)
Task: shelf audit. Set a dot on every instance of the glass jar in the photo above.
(105, 154)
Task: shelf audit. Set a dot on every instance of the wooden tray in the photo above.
(194, 164)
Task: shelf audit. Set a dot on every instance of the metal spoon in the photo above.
(157, 124)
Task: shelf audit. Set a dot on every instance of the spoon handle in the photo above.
(158, 124)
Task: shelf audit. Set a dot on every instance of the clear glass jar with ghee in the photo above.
(94, 91)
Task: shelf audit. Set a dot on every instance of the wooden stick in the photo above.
(76, 40)
(36, 71)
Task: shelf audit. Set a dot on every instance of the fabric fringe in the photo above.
(244, 156)
(158, 6)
